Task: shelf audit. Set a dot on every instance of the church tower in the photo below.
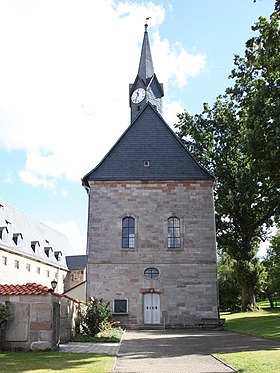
(146, 87)
(151, 231)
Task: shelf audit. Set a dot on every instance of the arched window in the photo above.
(174, 238)
(128, 233)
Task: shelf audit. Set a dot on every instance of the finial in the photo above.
(146, 24)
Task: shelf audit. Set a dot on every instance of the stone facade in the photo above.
(186, 288)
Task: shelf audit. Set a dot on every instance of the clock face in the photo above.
(138, 95)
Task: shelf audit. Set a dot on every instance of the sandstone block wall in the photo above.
(188, 276)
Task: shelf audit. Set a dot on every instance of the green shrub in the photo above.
(94, 315)
(4, 310)
(109, 332)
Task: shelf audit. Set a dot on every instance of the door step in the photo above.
(151, 327)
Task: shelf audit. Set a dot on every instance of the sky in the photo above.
(65, 69)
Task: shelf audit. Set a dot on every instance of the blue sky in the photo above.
(65, 68)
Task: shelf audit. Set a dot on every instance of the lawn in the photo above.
(264, 323)
(51, 362)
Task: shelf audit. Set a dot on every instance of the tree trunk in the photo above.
(269, 297)
(248, 298)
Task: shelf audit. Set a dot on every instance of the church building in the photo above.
(151, 231)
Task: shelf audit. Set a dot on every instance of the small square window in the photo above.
(120, 306)
(146, 163)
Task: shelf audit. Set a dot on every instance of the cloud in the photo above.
(64, 70)
(72, 232)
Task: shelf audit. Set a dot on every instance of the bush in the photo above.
(4, 311)
(109, 332)
(94, 315)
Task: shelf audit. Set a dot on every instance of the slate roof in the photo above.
(33, 234)
(146, 67)
(148, 138)
(76, 261)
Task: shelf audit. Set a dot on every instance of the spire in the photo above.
(146, 67)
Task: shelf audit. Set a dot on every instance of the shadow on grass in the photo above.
(55, 362)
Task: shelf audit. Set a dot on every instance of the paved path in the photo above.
(182, 351)
(98, 348)
(173, 351)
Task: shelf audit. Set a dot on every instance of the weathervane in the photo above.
(146, 24)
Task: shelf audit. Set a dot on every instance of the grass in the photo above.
(253, 362)
(264, 323)
(51, 362)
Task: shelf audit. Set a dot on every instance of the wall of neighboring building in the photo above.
(33, 322)
(38, 322)
(31, 251)
(74, 278)
(78, 292)
(187, 282)
(17, 269)
(68, 314)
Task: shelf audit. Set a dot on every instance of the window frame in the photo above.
(172, 237)
(128, 233)
(114, 306)
(149, 273)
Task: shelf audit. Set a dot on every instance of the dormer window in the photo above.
(48, 250)
(4, 233)
(58, 255)
(146, 163)
(17, 238)
(35, 245)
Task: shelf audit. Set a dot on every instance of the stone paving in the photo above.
(98, 348)
(174, 351)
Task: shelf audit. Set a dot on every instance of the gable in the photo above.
(148, 139)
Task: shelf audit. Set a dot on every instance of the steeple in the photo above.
(146, 67)
(146, 87)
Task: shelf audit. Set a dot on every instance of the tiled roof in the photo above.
(27, 289)
(31, 289)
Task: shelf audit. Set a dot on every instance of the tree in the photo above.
(229, 288)
(256, 89)
(247, 194)
(272, 267)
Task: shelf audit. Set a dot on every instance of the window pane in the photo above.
(125, 242)
(128, 233)
(174, 240)
(125, 222)
(151, 273)
(120, 306)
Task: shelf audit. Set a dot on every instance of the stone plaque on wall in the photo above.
(17, 324)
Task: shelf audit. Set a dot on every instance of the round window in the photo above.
(151, 273)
